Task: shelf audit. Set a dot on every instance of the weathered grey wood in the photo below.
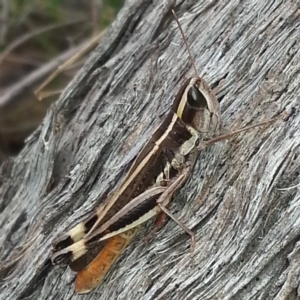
(247, 229)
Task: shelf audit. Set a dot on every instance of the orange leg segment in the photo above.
(88, 278)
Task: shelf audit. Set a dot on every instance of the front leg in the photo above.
(165, 198)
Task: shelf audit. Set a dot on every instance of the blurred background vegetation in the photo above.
(36, 36)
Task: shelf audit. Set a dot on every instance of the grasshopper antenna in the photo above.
(186, 43)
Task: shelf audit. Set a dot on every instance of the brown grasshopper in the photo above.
(158, 171)
(161, 168)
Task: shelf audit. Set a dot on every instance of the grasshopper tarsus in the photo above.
(193, 242)
(159, 223)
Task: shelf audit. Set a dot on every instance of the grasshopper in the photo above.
(160, 169)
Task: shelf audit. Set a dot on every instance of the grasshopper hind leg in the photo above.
(91, 276)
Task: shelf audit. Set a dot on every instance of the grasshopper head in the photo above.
(197, 106)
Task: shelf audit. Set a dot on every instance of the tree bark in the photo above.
(243, 197)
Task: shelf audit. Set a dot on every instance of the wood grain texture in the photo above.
(247, 225)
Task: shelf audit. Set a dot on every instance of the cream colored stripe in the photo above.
(146, 159)
(77, 232)
(154, 191)
(134, 173)
(182, 104)
(147, 216)
(78, 249)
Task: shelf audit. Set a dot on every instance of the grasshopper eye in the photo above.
(195, 98)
